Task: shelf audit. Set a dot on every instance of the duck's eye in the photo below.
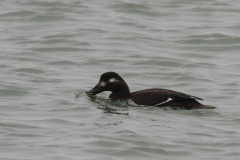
(112, 80)
(105, 79)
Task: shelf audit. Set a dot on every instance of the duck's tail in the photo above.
(206, 107)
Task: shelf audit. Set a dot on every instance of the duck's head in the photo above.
(110, 81)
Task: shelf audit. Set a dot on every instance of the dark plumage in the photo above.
(111, 81)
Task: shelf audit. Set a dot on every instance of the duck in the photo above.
(157, 97)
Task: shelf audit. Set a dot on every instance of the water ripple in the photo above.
(51, 49)
(29, 70)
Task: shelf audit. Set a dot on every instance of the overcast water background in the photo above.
(50, 50)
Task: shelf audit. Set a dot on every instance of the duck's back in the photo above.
(164, 97)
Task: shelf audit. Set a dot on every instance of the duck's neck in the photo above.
(121, 94)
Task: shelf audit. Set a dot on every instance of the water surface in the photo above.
(53, 49)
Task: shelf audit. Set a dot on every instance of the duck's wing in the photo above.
(180, 95)
(158, 97)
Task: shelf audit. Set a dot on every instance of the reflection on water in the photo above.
(107, 105)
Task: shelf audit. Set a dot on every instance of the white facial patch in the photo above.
(102, 84)
(112, 80)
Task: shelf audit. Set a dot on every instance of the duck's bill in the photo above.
(95, 90)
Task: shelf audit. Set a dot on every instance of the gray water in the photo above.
(50, 50)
